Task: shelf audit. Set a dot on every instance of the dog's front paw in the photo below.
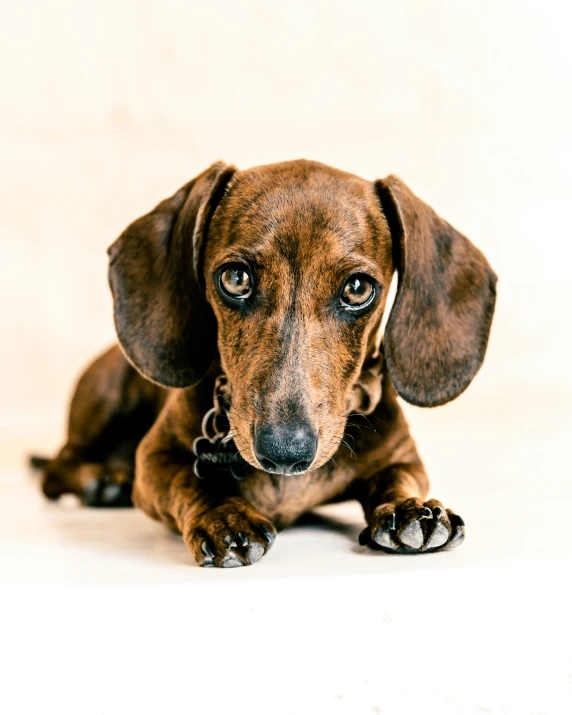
(413, 527)
(233, 534)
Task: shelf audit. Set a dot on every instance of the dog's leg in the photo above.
(219, 527)
(399, 519)
(112, 408)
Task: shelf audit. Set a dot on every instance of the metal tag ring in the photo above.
(207, 424)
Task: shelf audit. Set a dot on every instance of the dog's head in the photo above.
(287, 268)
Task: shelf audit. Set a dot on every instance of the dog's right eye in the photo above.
(236, 282)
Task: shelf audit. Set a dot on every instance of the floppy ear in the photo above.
(437, 333)
(164, 323)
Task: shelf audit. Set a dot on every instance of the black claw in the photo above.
(103, 492)
(391, 522)
(91, 494)
(206, 549)
(243, 538)
(363, 538)
(268, 534)
(425, 513)
(116, 495)
(229, 541)
(111, 493)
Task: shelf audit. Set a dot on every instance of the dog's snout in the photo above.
(286, 449)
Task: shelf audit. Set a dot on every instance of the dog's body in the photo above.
(277, 278)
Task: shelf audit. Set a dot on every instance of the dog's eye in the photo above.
(236, 282)
(358, 291)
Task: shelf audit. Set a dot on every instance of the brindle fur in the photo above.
(303, 228)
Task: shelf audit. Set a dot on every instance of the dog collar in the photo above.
(215, 451)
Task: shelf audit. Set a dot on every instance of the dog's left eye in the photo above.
(236, 282)
(358, 291)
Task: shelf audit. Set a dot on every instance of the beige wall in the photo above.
(108, 106)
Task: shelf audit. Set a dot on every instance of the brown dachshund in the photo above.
(276, 278)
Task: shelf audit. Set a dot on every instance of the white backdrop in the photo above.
(108, 106)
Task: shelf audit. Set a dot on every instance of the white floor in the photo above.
(104, 612)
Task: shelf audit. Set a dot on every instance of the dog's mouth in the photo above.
(299, 468)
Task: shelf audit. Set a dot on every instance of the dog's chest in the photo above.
(283, 499)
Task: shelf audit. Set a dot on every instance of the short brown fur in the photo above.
(290, 354)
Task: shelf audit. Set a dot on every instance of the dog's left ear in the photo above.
(438, 329)
(164, 323)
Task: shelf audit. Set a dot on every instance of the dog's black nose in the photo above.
(286, 449)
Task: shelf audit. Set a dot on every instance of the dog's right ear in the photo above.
(164, 323)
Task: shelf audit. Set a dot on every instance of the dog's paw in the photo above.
(413, 527)
(97, 485)
(233, 534)
(111, 488)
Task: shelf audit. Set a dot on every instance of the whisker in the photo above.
(233, 407)
(369, 425)
(353, 424)
(375, 417)
(348, 446)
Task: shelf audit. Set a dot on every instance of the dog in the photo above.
(263, 291)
